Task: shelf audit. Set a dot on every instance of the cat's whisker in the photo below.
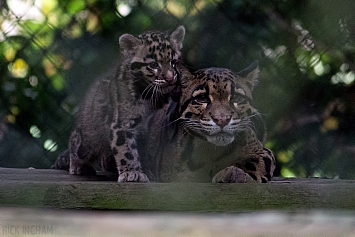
(155, 97)
(170, 123)
(146, 91)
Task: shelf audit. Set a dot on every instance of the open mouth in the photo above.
(170, 80)
(221, 139)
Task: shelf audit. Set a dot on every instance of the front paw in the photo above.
(82, 169)
(132, 176)
(232, 174)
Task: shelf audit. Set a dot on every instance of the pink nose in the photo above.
(221, 120)
(169, 76)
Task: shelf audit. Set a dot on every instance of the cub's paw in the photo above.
(63, 161)
(82, 170)
(132, 176)
(232, 174)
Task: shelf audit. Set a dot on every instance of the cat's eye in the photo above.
(202, 98)
(154, 65)
(173, 62)
(238, 98)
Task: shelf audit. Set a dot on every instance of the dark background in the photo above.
(51, 51)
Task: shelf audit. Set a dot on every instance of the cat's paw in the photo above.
(132, 176)
(82, 169)
(232, 174)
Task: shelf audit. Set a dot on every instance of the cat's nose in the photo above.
(221, 119)
(169, 76)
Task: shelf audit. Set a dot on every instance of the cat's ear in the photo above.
(177, 37)
(250, 74)
(128, 43)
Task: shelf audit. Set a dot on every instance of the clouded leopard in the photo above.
(212, 134)
(114, 107)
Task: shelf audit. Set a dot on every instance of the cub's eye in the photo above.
(154, 65)
(173, 62)
(202, 98)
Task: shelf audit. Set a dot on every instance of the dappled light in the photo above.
(123, 9)
(19, 68)
(50, 145)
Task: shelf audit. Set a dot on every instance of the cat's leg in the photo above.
(124, 148)
(78, 164)
(256, 165)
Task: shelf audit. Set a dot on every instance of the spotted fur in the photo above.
(211, 134)
(114, 107)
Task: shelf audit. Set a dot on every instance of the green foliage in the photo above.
(306, 51)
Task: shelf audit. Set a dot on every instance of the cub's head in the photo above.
(215, 103)
(150, 60)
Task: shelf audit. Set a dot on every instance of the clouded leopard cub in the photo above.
(108, 121)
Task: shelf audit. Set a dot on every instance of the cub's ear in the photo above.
(128, 43)
(250, 74)
(177, 37)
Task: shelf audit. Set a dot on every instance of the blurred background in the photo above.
(51, 51)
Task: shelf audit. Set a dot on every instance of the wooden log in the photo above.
(58, 189)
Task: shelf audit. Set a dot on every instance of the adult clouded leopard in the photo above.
(114, 107)
(211, 134)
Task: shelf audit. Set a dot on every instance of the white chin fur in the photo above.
(220, 140)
